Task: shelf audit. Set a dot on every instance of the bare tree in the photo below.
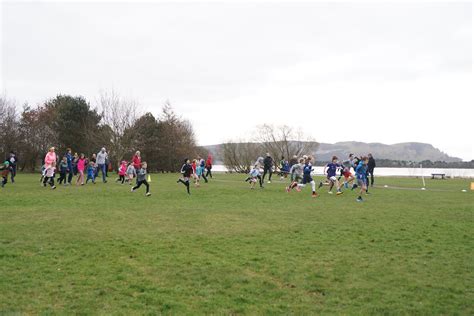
(9, 131)
(284, 141)
(239, 156)
(119, 115)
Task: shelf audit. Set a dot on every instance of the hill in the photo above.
(402, 151)
(410, 151)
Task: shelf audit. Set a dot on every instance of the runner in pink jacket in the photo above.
(50, 158)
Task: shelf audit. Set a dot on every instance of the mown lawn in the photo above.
(229, 250)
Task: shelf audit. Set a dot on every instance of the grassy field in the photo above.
(229, 250)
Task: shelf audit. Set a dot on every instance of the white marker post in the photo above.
(422, 177)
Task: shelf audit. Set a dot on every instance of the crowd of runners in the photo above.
(351, 173)
(355, 171)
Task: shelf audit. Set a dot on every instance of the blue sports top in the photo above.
(307, 169)
(361, 170)
(332, 168)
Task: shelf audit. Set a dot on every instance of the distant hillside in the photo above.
(402, 151)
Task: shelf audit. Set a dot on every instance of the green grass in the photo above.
(229, 250)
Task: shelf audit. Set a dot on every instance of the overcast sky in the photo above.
(373, 72)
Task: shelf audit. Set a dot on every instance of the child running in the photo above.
(63, 170)
(355, 163)
(81, 166)
(296, 174)
(49, 175)
(131, 172)
(331, 170)
(194, 174)
(141, 179)
(361, 175)
(201, 169)
(307, 169)
(346, 172)
(258, 174)
(253, 176)
(5, 171)
(91, 172)
(122, 172)
(186, 171)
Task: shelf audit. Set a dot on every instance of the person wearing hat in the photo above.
(5, 170)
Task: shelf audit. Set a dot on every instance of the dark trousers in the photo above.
(49, 180)
(121, 178)
(4, 181)
(69, 176)
(90, 177)
(62, 177)
(208, 172)
(13, 173)
(371, 173)
(136, 170)
(103, 168)
(186, 183)
(139, 184)
(270, 172)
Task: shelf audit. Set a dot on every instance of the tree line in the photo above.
(114, 123)
(279, 141)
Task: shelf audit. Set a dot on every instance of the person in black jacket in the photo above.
(186, 171)
(267, 167)
(370, 169)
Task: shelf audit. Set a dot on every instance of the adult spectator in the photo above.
(267, 167)
(209, 165)
(50, 157)
(370, 169)
(137, 162)
(101, 163)
(107, 166)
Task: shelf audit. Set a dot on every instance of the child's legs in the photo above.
(139, 184)
(146, 185)
(4, 181)
(331, 184)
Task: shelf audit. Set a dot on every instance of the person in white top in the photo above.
(101, 165)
